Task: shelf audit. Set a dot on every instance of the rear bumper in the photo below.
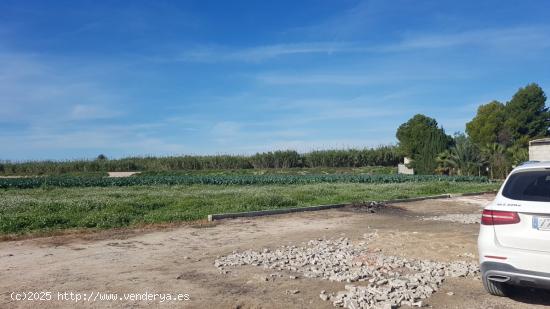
(506, 273)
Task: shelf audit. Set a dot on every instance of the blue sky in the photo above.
(79, 78)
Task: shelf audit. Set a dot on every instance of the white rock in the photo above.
(388, 281)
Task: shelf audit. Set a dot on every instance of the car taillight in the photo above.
(497, 217)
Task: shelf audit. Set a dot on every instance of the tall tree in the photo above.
(502, 132)
(422, 140)
(487, 127)
(527, 115)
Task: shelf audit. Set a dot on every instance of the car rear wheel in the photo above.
(496, 288)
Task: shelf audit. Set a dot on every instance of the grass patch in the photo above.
(47, 209)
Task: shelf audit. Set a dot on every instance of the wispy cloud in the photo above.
(499, 39)
(226, 130)
(301, 124)
(312, 104)
(79, 143)
(388, 75)
(513, 38)
(315, 78)
(358, 18)
(35, 89)
(302, 112)
(164, 78)
(265, 52)
(83, 112)
(301, 139)
(59, 110)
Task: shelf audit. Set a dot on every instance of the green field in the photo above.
(371, 170)
(72, 181)
(54, 208)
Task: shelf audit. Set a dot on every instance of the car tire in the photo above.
(495, 288)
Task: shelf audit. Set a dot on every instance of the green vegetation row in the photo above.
(49, 209)
(69, 181)
(382, 156)
(373, 170)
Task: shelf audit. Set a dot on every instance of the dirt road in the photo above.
(180, 261)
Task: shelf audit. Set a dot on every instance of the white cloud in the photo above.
(226, 129)
(36, 89)
(46, 142)
(46, 99)
(88, 112)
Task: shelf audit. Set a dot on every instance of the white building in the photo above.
(403, 169)
(539, 150)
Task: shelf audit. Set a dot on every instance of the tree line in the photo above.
(378, 156)
(496, 139)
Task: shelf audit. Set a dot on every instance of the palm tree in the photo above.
(446, 163)
(467, 156)
(461, 159)
(518, 154)
(495, 155)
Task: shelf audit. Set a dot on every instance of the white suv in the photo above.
(514, 238)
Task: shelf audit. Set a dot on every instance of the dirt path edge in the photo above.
(270, 212)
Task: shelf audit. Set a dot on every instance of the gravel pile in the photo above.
(458, 218)
(381, 281)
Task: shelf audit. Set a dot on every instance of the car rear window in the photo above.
(528, 186)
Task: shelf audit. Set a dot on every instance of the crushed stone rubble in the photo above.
(458, 218)
(379, 281)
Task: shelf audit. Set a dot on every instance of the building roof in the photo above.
(533, 165)
(540, 141)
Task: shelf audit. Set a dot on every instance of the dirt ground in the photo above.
(180, 260)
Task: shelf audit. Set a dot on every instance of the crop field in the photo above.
(75, 181)
(371, 170)
(72, 197)
(49, 208)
